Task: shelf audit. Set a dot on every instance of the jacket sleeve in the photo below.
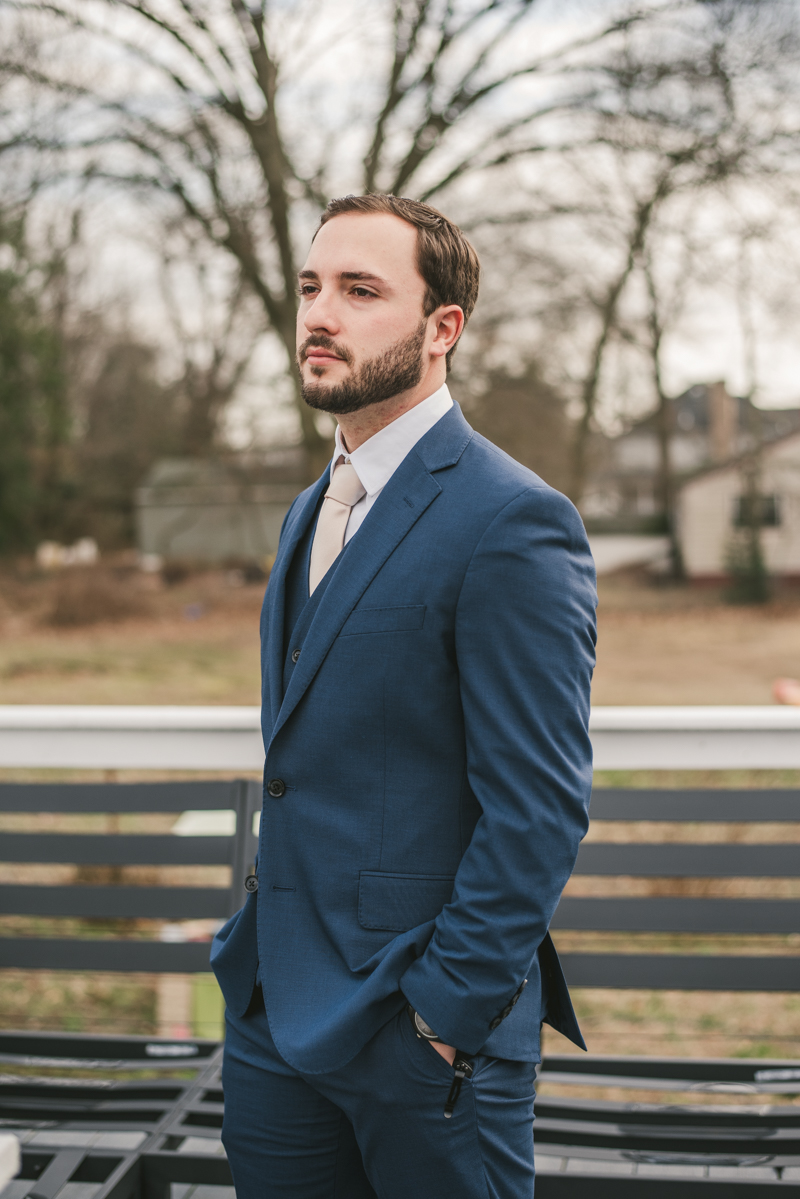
(525, 638)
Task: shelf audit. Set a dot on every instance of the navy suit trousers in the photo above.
(375, 1128)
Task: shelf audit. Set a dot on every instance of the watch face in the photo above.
(423, 1028)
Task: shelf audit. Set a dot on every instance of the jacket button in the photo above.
(251, 883)
(295, 654)
(276, 788)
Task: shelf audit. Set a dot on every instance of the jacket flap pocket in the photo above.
(384, 620)
(398, 902)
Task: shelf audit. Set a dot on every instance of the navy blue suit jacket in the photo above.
(433, 742)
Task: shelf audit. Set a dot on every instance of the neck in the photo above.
(358, 427)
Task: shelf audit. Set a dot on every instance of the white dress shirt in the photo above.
(379, 457)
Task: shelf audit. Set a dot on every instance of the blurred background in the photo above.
(629, 174)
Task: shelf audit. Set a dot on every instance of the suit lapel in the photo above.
(408, 493)
(411, 489)
(296, 526)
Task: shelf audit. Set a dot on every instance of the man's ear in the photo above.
(448, 322)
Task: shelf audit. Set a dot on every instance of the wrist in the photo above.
(447, 1052)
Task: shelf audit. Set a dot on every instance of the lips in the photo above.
(322, 352)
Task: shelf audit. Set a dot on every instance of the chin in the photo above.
(319, 372)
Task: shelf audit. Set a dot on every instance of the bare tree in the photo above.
(215, 336)
(202, 107)
(750, 579)
(698, 104)
(663, 312)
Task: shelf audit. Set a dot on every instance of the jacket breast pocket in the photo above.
(384, 620)
(397, 902)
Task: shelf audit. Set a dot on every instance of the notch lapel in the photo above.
(296, 527)
(411, 489)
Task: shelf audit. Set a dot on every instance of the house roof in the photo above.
(690, 414)
(767, 450)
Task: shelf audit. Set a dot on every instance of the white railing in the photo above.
(10, 1159)
(229, 739)
(125, 738)
(696, 738)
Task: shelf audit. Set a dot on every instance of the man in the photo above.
(427, 648)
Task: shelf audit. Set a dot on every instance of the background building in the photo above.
(708, 427)
(712, 513)
(218, 510)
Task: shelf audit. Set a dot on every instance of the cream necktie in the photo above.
(345, 490)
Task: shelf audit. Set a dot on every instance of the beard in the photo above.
(378, 379)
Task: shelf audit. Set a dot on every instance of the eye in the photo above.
(363, 293)
(307, 289)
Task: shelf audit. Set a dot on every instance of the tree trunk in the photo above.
(666, 481)
(608, 315)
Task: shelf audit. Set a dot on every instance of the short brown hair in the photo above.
(445, 259)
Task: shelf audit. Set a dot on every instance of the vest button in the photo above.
(276, 788)
(295, 654)
(251, 883)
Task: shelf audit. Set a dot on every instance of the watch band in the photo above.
(462, 1064)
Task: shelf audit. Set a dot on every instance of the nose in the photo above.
(320, 316)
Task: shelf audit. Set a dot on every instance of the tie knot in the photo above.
(345, 486)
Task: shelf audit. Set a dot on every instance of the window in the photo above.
(767, 511)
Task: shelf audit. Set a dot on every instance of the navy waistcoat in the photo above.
(300, 606)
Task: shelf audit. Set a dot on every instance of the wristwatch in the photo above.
(462, 1065)
(420, 1027)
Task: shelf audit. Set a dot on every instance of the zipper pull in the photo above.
(462, 1068)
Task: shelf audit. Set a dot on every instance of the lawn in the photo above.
(196, 642)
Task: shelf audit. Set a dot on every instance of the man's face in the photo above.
(361, 333)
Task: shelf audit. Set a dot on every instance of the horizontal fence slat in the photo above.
(136, 957)
(116, 797)
(690, 861)
(678, 915)
(690, 1069)
(156, 903)
(111, 849)
(608, 1181)
(92, 1046)
(623, 803)
(162, 1168)
(682, 972)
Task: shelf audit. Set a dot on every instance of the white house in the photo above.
(711, 511)
(708, 428)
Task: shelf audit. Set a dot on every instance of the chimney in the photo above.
(721, 422)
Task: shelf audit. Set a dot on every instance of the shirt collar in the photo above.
(379, 457)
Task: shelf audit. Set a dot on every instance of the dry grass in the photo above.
(84, 596)
(192, 643)
(53, 1000)
(680, 1024)
(661, 645)
(196, 641)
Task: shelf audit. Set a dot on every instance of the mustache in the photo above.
(320, 341)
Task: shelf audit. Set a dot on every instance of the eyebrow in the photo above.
(351, 276)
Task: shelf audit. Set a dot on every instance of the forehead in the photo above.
(379, 244)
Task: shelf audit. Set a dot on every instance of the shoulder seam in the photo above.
(528, 488)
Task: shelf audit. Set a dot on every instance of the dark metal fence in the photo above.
(141, 1117)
